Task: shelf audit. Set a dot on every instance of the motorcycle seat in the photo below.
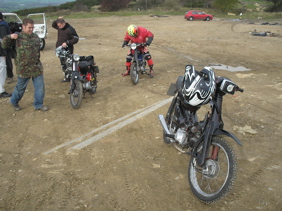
(84, 64)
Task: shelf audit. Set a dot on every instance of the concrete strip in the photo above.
(100, 128)
(120, 125)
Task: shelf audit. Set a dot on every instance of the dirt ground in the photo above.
(110, 155)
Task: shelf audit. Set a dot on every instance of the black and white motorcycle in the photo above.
(213, 164)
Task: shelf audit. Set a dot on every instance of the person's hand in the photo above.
(14, 36)
(124, 43)
(64, 45)
(60, 17)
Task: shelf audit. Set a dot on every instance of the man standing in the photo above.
(67, 37)
(4, 30)
(28, 65)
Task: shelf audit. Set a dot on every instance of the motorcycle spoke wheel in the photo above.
(134, 73)
(77, 94)
(215, 178)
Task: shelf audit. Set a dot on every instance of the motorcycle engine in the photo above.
(181, 136)
(87, 85)
(188, 130)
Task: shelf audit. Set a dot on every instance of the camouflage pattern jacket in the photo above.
(27, 58)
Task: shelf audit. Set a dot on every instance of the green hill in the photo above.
(11, 6)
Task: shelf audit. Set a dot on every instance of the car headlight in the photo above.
(133, 46)
(76, 57)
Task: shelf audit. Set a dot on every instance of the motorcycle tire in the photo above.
(169, 120)
(134, 73)
(77, 94)
(216, 177)
(93, 90)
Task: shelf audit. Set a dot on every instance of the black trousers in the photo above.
(9, 64)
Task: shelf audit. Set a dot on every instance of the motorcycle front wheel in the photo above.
(215, 178)
(134, 73)
(76, 94)
(170, 121)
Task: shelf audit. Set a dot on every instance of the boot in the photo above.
(66, 78)
(127, 72)
(151, 71)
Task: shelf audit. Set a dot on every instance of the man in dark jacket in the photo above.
(4, 30)
(67, 37)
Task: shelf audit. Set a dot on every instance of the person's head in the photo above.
(28, 26)
(132, 30)
(1, 16)
(61, 23)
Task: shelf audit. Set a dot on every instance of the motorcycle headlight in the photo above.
(58, 51)
(133, 46)
(76, 57)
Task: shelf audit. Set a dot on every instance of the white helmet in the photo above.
(198, 87)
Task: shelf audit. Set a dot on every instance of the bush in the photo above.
(113, 5)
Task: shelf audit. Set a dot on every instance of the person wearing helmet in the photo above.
(138, 34)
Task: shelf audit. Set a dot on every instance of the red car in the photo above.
(196, 14)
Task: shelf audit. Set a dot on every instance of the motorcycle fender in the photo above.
(219, 132)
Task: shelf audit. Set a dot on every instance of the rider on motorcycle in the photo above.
(138, 34)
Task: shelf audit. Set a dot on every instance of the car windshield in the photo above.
(11, 18)
(38, 19)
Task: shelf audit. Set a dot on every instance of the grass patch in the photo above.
(94, 13)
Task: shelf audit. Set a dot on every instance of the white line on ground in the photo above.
(119, 125)
(144, 111)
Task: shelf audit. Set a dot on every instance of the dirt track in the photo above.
(128, 167)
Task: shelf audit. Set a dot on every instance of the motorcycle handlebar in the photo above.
(137, 44)
(239, 89)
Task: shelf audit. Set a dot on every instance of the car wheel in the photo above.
(208, 19)
(191, 18)
(42, 44)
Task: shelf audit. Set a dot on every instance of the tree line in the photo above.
(116, 5)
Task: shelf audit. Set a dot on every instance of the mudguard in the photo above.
(219, 132)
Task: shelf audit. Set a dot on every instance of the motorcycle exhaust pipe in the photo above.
(167, 132)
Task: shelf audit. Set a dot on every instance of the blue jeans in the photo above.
(39, 91)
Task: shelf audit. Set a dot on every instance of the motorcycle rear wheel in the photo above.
(134, 73)
(215, 179)
(77, 94)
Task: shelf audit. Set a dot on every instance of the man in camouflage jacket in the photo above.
(28, 65)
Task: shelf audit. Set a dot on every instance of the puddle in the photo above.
(229, 68)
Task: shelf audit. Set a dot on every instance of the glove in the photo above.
(149, 41)
(124, 43)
